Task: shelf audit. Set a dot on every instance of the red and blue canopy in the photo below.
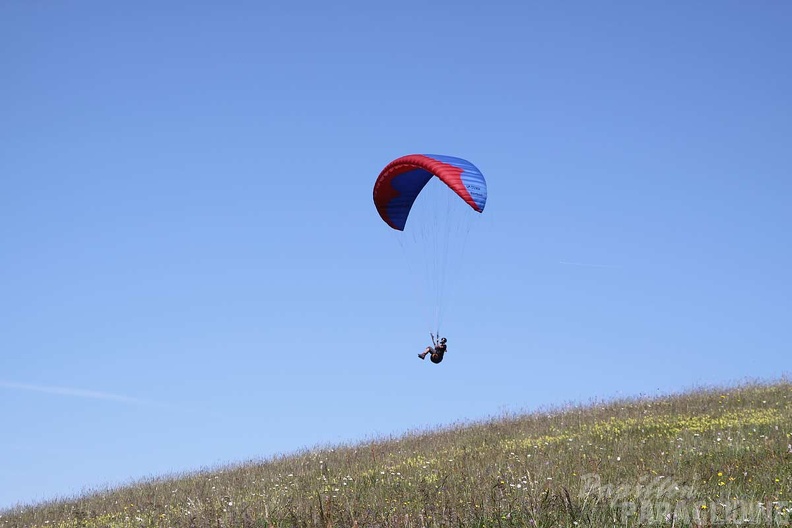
(401, 181)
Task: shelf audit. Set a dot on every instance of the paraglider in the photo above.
(431, 202)
(437, 350)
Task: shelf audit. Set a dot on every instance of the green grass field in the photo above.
(709, 457)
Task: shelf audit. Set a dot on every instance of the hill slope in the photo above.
(705, 457)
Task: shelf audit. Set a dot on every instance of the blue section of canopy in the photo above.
(409, 185)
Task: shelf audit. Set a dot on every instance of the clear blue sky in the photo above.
(192, 271)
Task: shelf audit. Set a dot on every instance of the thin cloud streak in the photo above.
(72, 392)
(586, 265)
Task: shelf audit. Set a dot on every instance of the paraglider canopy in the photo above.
(402, 180)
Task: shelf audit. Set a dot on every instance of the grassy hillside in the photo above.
(703, 458)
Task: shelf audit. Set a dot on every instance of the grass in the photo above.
(718, 456)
